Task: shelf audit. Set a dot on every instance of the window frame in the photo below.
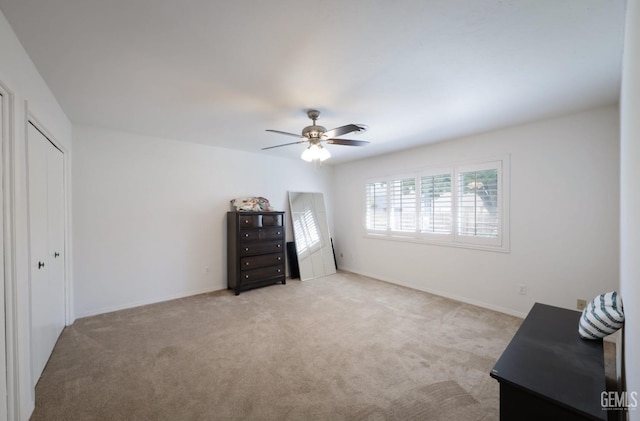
(453, 238)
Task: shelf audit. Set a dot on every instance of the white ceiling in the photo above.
(414, 71)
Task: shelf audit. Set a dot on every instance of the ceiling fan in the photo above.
(317, 135)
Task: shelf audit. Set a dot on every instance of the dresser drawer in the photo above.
(262, 234)
(250, 221)
(272, 220)
(250, 249)
(271, 234)
(255, 275)
(254, 262)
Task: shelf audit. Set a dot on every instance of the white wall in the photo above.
(564, 217)
(150, 214)
(20, 76)
(630, 201)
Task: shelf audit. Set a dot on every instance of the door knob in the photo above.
(40, 265)
(56, 254)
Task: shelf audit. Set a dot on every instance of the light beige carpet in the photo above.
(342, 347)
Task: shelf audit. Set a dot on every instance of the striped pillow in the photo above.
(601, 317)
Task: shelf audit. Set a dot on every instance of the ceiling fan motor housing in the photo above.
(313, 132)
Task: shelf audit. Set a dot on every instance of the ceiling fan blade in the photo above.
(347, 142)
(286, 133)
(284, 144)
(349, 128)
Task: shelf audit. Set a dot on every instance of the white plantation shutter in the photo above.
(309, 240)
(376, 198)
(402, 196)
(478, 204)
(462, 205)
(435, 204)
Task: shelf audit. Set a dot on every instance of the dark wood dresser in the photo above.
(548, 373)
(255, 249)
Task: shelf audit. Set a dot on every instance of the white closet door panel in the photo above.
(46, 236)
(38, 220)
(56, 246)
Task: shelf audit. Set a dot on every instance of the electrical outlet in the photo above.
(581, 304)
(522, 289)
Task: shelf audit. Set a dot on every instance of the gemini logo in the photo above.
(618, 401)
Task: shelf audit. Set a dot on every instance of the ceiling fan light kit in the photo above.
(315, 135)
(315, 152)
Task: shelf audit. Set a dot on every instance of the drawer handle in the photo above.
(279, 271)
(279, 245)
(279, 258)
(246, 263)
(246, 276)
(246, 221)
(279, 233)
(246, 235)
(246, 249)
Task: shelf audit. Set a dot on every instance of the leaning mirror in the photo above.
(311, 235)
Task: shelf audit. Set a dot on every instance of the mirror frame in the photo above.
(313, 244)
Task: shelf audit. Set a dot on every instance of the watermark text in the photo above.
(618, 401)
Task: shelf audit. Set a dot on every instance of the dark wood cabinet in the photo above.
(548, 373)
(255, 250)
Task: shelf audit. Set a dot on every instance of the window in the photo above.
(435, 203)
(376, 206)
(464, 205)
(402, 197)
(478, 203)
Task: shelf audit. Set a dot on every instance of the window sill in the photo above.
(434, 242)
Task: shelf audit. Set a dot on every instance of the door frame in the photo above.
(9, 370)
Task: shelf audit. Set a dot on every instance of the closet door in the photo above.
(56, 248)
(46, 235)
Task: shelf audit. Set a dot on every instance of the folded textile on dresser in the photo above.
(256, 204)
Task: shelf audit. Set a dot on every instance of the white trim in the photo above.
(431, 241)
(12, 408)
(149, 301)
(440, 293)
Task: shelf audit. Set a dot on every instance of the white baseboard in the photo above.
(441, 294)
(146, 302)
